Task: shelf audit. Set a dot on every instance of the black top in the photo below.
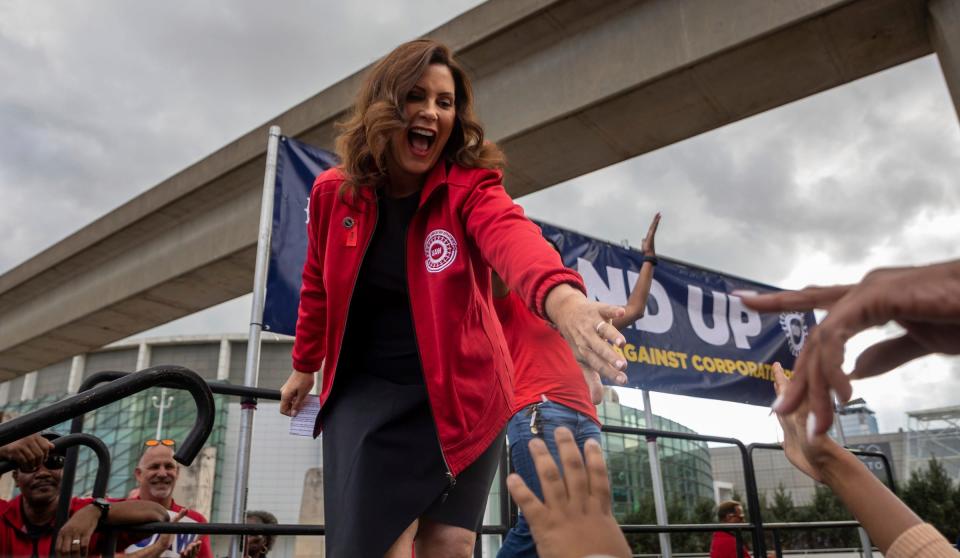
(380, 337)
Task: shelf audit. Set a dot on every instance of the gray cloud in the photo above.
(109, 99)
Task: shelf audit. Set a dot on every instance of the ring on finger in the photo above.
(75, 541)
(600, 324)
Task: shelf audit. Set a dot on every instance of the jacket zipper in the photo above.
(353, 288)
(451, 480)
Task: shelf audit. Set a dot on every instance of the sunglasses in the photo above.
(165, 442)
(53, 463)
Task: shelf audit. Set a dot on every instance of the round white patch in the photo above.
(440, 249)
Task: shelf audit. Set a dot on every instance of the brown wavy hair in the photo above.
(378, 112)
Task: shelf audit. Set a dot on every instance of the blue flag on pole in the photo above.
(298, 164)
(694, 340)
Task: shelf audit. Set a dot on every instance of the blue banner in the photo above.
(298, 164)
(695, 339)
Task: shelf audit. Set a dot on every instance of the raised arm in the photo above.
(880, 512)
(637, 303)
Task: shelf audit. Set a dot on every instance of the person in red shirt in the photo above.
(156, 474)
(724, 543)
(396, 312)
(549, 387)
(27, 521)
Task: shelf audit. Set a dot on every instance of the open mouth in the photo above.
(420, 140)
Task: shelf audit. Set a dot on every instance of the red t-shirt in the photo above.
(180, 540)
(17, 542)
(724, 545)
(542, 360)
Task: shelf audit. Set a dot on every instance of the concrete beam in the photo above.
(945, 37)
(565, 86)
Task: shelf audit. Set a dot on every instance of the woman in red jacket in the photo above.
(550, 391)
(396, 311)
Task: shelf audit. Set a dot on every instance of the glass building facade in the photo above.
(684, 464)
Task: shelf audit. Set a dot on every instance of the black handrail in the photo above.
(753, 500)
(75, 406)
(887, 468)
(100, 396)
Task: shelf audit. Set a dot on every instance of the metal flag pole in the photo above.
(864, 537)
(659, 499)
(249, 405)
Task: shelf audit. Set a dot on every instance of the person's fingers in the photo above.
(180, 515)
(802, 300)
(85, 545)
(887, 355)
(780, 380)
(652, 230)
(596, 363)
(574, 475)
(818, 399)
(831, 365)
(526, 500)
(608, 332)
(551, 482)
(795, 391)
(291, 400)
(599, 482)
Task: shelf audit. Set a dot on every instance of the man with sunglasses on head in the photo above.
(27, 521)
(156, 476)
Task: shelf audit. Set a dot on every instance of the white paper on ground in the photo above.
(302, 424)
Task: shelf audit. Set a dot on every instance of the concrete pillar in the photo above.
(311, 513)
(29, 386)
(223, 364)
(77, 367)
(944, 29)
(5, 397)
(143, 356)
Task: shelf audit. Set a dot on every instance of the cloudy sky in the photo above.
(102, 100)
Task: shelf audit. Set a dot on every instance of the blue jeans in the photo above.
(519, 541)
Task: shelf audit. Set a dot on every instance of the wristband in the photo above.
(652, 259)
(104, 506)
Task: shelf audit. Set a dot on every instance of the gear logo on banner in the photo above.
(795, 330)
(440, 249)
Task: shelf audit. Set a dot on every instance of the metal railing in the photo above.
(104, 388)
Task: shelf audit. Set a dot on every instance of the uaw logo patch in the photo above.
(440, 249)
(795, 330)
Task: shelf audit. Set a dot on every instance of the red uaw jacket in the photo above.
(465, 223)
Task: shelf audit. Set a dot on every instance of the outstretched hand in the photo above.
(587, 327)
(925, 301)
(648, 241)
(807, 453)
(574, 519)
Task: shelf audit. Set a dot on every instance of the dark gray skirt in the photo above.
(382, 467)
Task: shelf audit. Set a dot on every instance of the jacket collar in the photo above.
(436, 178)
(14, 516)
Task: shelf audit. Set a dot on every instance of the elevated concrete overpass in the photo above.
(565, 86)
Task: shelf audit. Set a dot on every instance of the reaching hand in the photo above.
(594, 385)
(924, 300)
(807, 453)
(586, 326)
(647, 246)
(191, 550)
(574, 519)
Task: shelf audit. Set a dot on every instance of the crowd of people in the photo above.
(442, 322)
